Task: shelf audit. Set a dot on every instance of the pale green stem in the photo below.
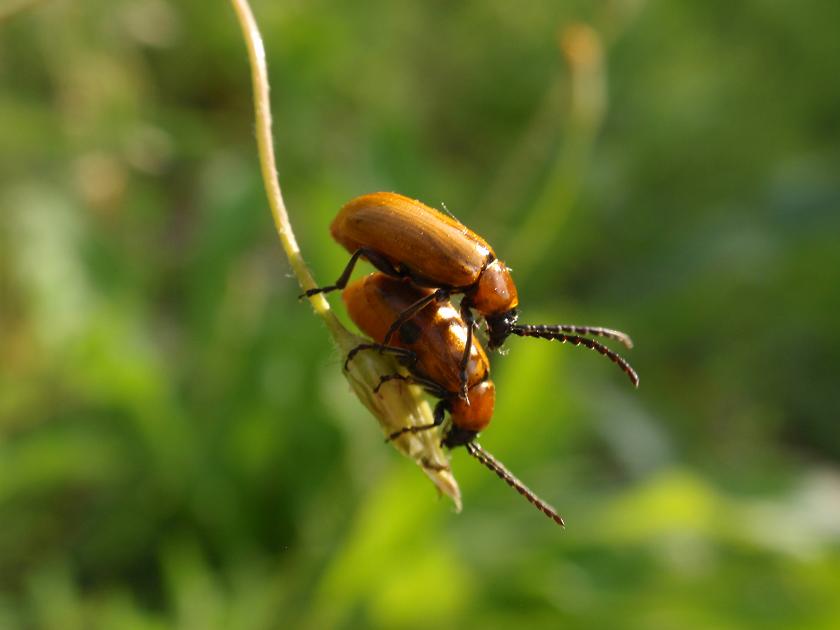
(268, 165)
(396, 405)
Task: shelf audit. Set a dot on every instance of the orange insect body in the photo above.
(432, 344)
(425, 257)
(433, 248)
(405, 238)
(436, 337)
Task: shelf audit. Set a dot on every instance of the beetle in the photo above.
(405, 238)
(430, 345)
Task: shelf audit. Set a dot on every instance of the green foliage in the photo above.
(177, 447)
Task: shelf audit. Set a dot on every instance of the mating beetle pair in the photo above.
(424, 257)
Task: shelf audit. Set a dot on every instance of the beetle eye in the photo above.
(499, 327)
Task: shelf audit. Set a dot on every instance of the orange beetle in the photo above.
(405, 238)
(431, 345)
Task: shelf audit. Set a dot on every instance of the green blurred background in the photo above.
(178, 448)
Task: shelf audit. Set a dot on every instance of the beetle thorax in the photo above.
(494, 292)
(475, 413)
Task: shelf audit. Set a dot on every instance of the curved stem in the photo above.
(268, 166)
(396, 408)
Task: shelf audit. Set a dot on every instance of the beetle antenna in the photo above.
(546, 332)
(475, 449)
(594, 331)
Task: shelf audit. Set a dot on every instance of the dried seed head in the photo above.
(397, 405)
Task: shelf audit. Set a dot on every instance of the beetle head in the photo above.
(456, 436)
(499, 327)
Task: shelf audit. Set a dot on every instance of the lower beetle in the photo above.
(431, 345)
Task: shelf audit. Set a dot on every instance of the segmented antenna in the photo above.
(547, 332)
(475, 449)
(594, 331)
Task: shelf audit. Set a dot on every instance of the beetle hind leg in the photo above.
(404, 356)
(439, 414)
(373, 257)
(391, 377)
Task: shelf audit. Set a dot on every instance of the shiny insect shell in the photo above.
(404, 238)
(431, 345)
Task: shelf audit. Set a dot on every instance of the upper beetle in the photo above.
(403, 237)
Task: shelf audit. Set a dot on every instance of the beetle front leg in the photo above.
(469, 322)
(411, 311)
(391, 377)
(439, 415)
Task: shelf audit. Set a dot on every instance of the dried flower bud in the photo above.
(397, 405)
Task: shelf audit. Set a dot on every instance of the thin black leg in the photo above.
(391, 377)
(372, 256)
(427, 384)
(439, 415)
(411, 311)
(469, 322)
(404, 356)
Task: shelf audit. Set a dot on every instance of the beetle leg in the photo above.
(439, 415)
(372, 256)
(404, 356)
(469, 321)
(427, 384)
(411, 311)
(383, 264)
(391, 377)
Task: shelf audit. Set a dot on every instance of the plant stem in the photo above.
(394, 407)
(268, 165)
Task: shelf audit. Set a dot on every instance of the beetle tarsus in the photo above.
(415, 429)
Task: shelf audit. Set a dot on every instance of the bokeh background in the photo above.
(178, 448)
